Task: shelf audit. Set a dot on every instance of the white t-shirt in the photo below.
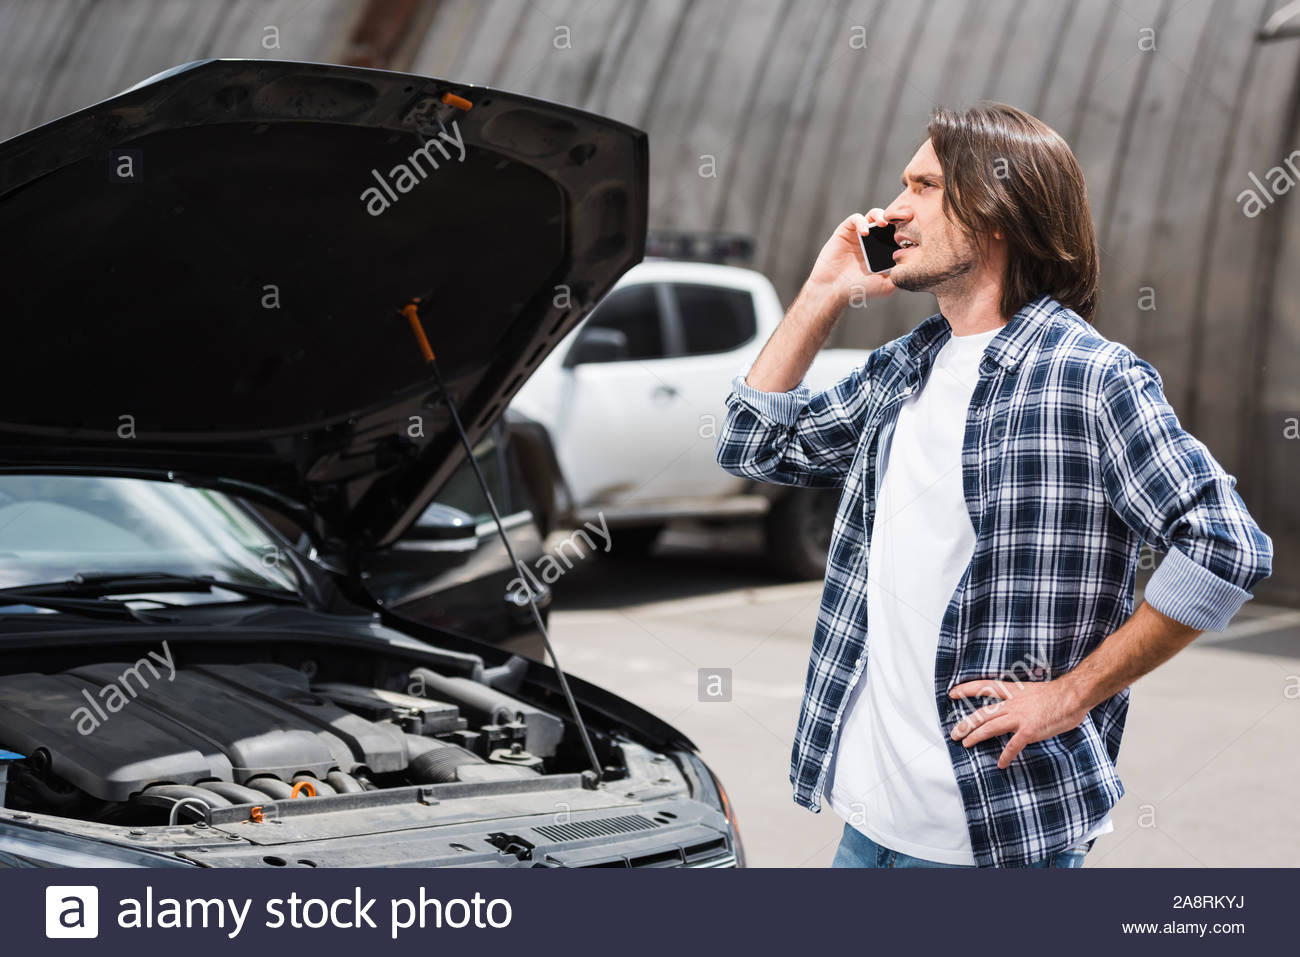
(892, 777)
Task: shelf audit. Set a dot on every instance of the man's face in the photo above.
(943, 253)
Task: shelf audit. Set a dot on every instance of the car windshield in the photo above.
(54, 527)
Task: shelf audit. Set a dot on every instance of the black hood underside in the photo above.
(206, 272)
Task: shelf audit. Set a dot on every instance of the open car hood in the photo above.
(205, 272)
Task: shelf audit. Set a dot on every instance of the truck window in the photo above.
(714, 318)
(633, 311)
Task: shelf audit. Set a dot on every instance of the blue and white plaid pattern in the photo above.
(1071, 458)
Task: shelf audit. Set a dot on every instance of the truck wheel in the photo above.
(797, 532)
(635, 541)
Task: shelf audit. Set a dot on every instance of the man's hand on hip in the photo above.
(1027, 710)
(1035, 710)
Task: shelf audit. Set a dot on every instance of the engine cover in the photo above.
(113, 729)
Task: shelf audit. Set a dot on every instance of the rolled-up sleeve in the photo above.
(799, 437)
(1167, 487)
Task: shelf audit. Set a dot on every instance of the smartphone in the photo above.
(878, 247)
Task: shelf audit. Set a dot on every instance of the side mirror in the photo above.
(598, 345)
(442, 539)
(442, 524)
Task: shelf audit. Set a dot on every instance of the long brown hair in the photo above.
(1006, 170)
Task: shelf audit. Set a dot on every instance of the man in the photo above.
(1001, 466)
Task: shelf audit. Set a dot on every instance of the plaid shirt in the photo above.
(1071, 458)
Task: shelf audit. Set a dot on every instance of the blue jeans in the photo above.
(858, 850)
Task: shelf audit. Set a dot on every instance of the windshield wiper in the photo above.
(90, 585)
(86, 607)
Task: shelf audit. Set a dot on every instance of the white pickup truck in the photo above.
(620, 423)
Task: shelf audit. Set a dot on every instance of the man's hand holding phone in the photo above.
(840, 277)
(842, 266)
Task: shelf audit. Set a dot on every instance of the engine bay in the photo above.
(301, 740)
(136, 744)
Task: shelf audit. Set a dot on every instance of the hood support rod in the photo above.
(412, 314)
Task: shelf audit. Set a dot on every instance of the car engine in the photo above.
(129, 744)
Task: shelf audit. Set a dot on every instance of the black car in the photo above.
(221, 445)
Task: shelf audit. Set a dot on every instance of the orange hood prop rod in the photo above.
(412, 313)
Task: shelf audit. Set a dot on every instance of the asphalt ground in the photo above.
(1209, 758)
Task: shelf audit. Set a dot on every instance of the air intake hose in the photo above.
(436, 762)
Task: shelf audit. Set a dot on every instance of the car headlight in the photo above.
(712, 792)
(29, 847)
